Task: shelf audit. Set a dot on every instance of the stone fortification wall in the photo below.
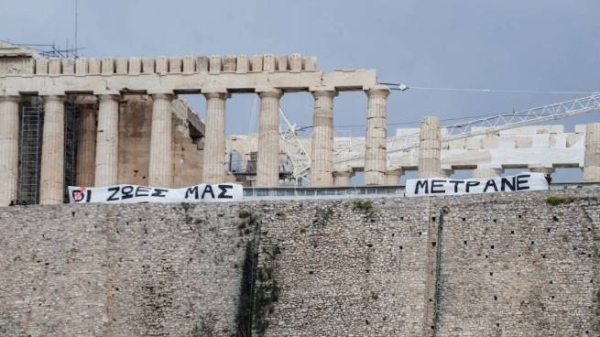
(129, 270)
(490, 265)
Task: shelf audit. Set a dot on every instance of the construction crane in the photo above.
(491, 124)
(292, 145)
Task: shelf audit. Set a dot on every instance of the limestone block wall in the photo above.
(494, 265)
(520, 267)
(510, 265)
(139, 270)
(347, 268)
(135, 123)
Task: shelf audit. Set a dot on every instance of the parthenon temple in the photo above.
(106, 121)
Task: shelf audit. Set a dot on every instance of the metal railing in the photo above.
(349, 192)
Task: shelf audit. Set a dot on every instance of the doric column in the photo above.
(375, 147)
(343, 178)
(591, 167)
(107, 142)
(392, 177)
(52, 175)
(86, 140)
(214, 138)
(322, 140)
(160, 171)
(267, 169)
(487, 171)
(9, 148)
(430, 144)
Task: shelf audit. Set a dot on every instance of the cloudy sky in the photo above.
(549, 45)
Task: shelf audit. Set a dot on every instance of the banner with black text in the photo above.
(133, 193)
(526, 181)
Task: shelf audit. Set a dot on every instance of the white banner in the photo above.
(526, 181)
(126, 194)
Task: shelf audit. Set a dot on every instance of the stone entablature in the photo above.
(215, 64)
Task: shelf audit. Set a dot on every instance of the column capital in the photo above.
(541, 169)
(86, 100)
(382, 90)
(56, 98)
(269, 92)
(346, 173)
(323, 92)
(166, 96)
(395, 172)
(216, 94)
(108, 97)
(10, 98)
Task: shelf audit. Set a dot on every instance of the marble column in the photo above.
(107, 142)
(392, 177)
(52, 173)
(591, 166)
(86, 140)
(214, 138)
(484, 171)
(376, 138)
(267, 169)
(430, 144)
(161, 140)
(343, 178)
(322, 140)
(9, 149)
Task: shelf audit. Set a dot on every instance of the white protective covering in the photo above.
(526, 181)
(127, 194)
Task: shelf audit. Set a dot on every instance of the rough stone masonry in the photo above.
(521, 264)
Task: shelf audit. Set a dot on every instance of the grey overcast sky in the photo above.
(509, 44)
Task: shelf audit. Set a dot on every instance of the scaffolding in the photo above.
(71, 118)
(30, 153)
(30, 150)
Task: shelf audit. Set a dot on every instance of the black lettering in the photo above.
(422, 184)
(115, 190)
(490, 183)
(456, 183)
(437, 186)
(159, 192)
(507, 183)
(192, 190)
(142, 191)
(522, 181)
(127, 192)
(472, 184)
(224, 189)
(208, 189)
(88, 195)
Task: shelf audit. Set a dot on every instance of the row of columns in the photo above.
(97, 159)
(322, 170)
